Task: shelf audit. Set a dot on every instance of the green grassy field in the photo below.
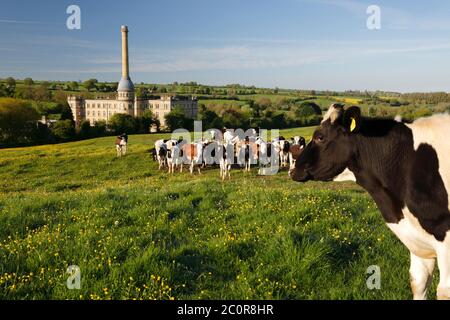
(139, 233)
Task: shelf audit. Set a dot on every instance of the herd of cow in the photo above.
(403, 166)
(227, 150)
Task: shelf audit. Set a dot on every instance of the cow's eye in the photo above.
(319, 138)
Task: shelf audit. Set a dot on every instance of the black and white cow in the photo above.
(175, 158)
(225, 151)
(295, 149)
(406, 170)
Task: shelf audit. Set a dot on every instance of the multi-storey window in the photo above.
(88, 112)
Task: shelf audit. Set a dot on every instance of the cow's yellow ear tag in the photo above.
(352, 124)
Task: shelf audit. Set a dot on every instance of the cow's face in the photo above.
(330, 149)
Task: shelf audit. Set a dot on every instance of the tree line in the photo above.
(22, 122)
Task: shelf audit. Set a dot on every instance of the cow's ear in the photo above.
(352, 119)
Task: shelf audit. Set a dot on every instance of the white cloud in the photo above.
(27, 22)
(241, 57)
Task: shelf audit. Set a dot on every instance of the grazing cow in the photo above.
(161, 155)
(247, 151)
(226, 153)
(295, 150)
(193, 154)
(159, 143)
(121, 146)
(406, 170)
(282, 148)
(268, 158)
(175, 158)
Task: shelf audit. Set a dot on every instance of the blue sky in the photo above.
(300, 44)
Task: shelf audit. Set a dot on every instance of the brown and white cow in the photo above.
(193, 153)
(121, 146)
(406, 170)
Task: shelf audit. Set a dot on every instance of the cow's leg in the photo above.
(222, 171)
(443, 258)
(191, 169)
(421, 273)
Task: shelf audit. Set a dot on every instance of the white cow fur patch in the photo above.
(414, 237)
(333, 113)
(346, 175)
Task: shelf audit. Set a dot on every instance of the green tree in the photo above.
(10, 82)
(10, 86)
(85, 129)
(72, 86)
(279, 121)
(28, 81)
(17, 120)
(176, 119)
(41, 93)
(60, 97)
(122, 123)
(147, 120)
(90, 84)
(63, 130)
(25, 93)
(3, 91)
(99, 128)
(307, 109)
(210, 119)
(45, 84)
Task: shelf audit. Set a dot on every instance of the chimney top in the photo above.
(124, 28)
